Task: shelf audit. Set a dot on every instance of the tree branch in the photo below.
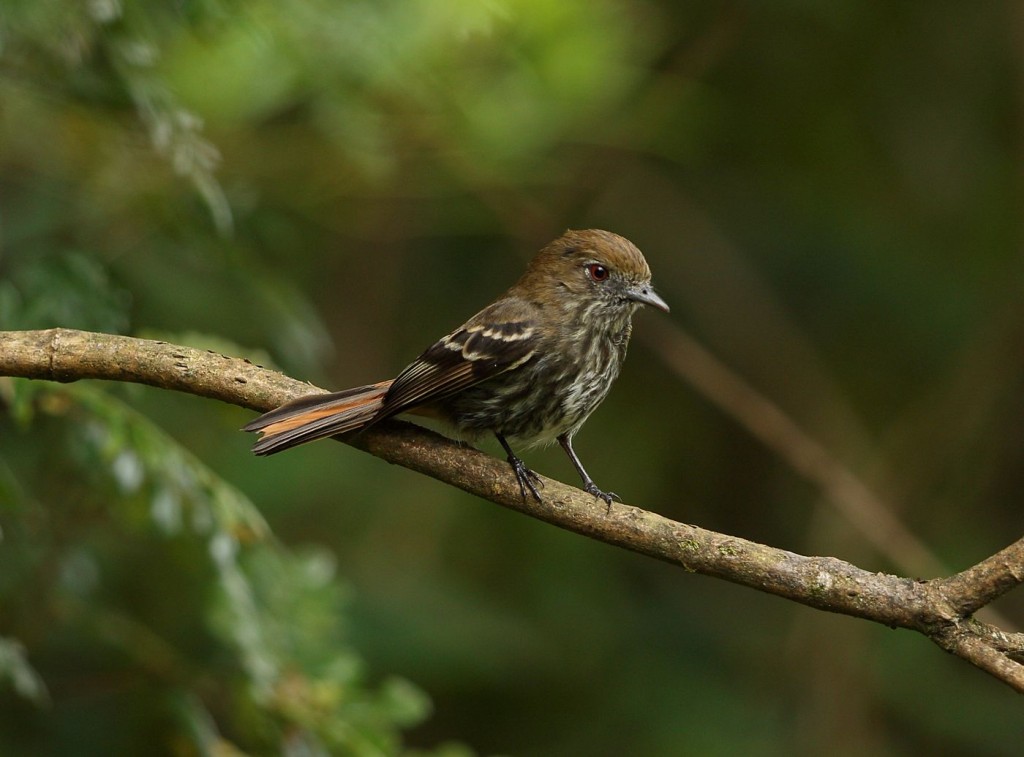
(940, 609)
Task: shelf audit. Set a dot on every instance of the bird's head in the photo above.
(592, 273)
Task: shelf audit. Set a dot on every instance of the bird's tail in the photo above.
(317, 416)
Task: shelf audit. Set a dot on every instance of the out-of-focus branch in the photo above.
(940, 609)
(777, 431)
(764, 420)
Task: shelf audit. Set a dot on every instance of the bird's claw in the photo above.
(527, 478)
(591, 488)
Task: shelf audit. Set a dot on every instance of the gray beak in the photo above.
(646, 295)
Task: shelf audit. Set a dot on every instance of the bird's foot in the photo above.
(527, 478)
(591, 488)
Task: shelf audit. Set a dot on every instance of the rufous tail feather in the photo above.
(317, 416)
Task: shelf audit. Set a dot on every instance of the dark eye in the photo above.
(597, 272)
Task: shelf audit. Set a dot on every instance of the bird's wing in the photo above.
(499, 338)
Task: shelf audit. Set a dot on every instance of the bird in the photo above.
(529, 368)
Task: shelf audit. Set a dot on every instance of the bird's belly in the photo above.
(532, 406)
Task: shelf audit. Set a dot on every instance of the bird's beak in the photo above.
(647, 296)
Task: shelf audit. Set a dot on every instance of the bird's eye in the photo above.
(597, 272)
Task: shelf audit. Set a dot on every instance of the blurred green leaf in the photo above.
(68, 289)
(16, 672)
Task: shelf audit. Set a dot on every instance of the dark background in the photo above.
(830, 197)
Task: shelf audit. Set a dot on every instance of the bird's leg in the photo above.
(588, 483)
(527, 478)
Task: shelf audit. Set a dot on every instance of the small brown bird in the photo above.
(531, 366)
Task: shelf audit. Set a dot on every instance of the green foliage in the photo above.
(258, 644)
(509, 77)
(829, 198)
(64, 289)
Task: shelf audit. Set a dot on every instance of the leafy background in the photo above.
(830, 196)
